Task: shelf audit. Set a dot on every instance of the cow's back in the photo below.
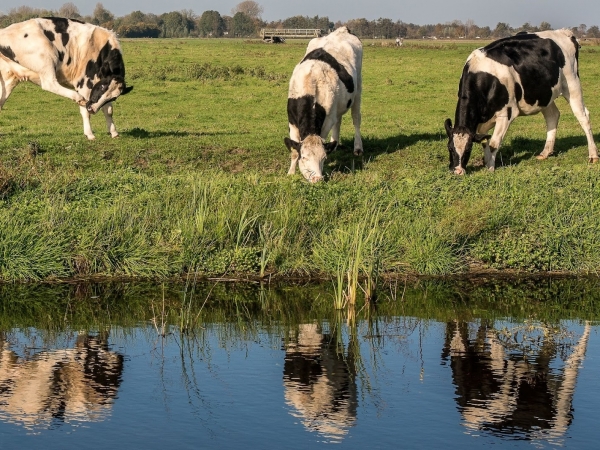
(345, 47)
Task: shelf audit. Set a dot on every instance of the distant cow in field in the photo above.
(73, 59)
(324, 86)
(523, 74)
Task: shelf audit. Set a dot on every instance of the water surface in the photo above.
(452, 364)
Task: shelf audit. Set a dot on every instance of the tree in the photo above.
(211, 24)
(175, 24)
(101, 15)
(545, 26)
(502, 30)
(242, 25)
(593, 32)
(70, 11)
(249, 8)
(360, 27)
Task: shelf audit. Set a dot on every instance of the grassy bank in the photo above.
(196, 181)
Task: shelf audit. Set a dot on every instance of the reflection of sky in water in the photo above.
(220, 392)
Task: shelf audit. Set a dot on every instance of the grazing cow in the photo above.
(59, 54)
(522, 74)
(324, 86)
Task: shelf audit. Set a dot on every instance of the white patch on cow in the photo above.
(461, 140)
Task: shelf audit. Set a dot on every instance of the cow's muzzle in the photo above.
(459, 170)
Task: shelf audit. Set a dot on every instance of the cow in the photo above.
(70, 58)
(519, 75)
(323, 87)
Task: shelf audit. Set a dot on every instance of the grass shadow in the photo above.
(525, 149)
(141, 133)
(343, 157)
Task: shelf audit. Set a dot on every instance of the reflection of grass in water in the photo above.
(533, 338)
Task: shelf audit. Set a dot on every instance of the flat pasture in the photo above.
(196, 182)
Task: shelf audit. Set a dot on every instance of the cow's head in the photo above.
(106, 90)
(460, 144)
(312, 152)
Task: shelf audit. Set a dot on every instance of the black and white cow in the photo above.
(519, 75)
(324, 86)
(77, 60)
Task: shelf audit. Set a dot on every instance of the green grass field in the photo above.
(197, 180)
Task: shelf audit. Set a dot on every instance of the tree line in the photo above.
(245, 21)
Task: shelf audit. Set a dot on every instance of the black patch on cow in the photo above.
(61, 56)
(61, 25)
(76, 20)
(537, 61)
(50, 35)
(349, 104)
(8, 52)
(69, 61)
(321, 55)
(89, 84)
(25, 35)
(80, 83)
(509, 113)
(108, 64)
(518, 92)
(576, 45)
(307, 115)
(480, 96)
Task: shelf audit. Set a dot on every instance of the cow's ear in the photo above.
(449, 129)
(330, 146)
(127, 90)
(481, 137)
(291, 144)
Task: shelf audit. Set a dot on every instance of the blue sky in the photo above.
(559, 13)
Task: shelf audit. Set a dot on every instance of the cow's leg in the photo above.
(551, 114)
(294, 136)
(48, 82)
(87, 126)
(491, 148)
(7, 84)
(583, 116)
(110, 125)
(356, 121)
(335, 131)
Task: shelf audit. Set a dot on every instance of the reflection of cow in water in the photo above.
(73, 384)
(505, 392)
(319, 382)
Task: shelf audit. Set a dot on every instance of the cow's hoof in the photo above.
(90, 137)
(593, 160)
(82, 102)
(114, 135)
(358, 151)
(541, 157)
(491, 169)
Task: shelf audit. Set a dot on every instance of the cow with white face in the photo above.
(73, 59)
(519, 75)
(324, 86)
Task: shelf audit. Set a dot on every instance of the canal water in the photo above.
(430, 364)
